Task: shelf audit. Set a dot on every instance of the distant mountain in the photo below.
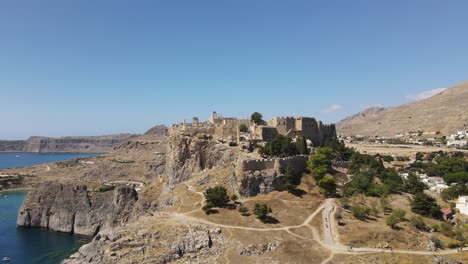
(95, 144)
(446, 112)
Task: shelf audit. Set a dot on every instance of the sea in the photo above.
(31, 246)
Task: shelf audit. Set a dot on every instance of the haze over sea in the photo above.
(31, 245)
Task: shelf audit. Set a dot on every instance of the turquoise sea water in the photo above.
(13, 160)
(31, 246)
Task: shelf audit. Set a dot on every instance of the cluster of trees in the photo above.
(441, 164)
(215, 197)
(425, 205)
(262, 212)
(281, 146)
(371, 178)
(320, 163)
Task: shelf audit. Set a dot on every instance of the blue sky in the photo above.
(101, 67)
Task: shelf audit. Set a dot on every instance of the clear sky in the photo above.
(100, 67)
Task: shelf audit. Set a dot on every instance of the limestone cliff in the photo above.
(73, 209)
(96, 144)
(188, 154)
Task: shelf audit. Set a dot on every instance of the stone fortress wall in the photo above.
(308, 127)
(222, 127)
(298, 163)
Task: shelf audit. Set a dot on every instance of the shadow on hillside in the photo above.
(270, 220)
(230, 206)
(298, 192)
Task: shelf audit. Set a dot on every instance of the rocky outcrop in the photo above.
(194, 243)
(191, 154)
(260, 182)
(73, 209)
(98, 144)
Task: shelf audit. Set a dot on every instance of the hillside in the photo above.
(445, 112)
(97, 144)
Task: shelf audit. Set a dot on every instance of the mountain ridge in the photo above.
(445, 112)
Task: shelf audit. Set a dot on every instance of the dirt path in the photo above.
(330, 237)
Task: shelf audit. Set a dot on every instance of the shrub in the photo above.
(395, 218)
(243, 127)
(418, 222)
(402, 158)
(243, 210)
(106, 188)
(360, 212)
(216, 196)
(262, 211)
(234, 198)
(387, 158)
(454, 245)
(435, 227)
(446, 229)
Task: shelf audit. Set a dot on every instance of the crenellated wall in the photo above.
(298, 163)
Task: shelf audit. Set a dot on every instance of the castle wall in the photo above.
(266, 133)
(298, 163)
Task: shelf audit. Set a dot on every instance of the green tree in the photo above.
(454, 191)
(281, 146)
(413, 185)
(327, 185)
(458, 177)
(290, 180)
(425, 205)
(262, 211)
(216, 196)
(234, 198)
(301, 145)
(320, 162)
(256, 117)
(243, 127)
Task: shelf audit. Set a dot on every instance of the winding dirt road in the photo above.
(330, 237)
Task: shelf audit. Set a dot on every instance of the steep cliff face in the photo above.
(260, 182)
(73, 209)
(192, 154)
(66, 144)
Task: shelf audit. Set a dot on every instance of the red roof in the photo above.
(446, 211)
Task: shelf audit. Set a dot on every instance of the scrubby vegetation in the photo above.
(215, 197)
(281, 146)
(106, 188)
(262, 212)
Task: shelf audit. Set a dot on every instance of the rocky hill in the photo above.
(96, 144)
(445, 112)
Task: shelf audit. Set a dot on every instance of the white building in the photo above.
(457, 143)
(462, 204)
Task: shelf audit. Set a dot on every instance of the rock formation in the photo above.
(191, 154)
(73, 209)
